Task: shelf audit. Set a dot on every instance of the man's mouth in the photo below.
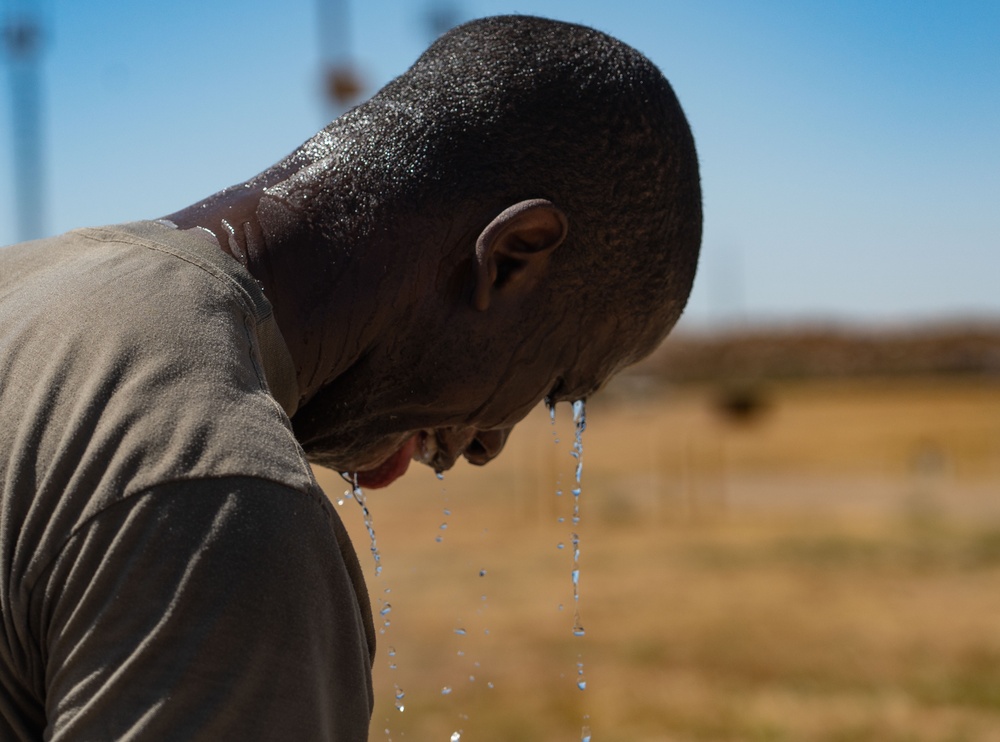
(391, 469)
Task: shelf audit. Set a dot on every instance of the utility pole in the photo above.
(342, 83)
(441, 16)
(21, 35)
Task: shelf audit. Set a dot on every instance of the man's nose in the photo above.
(485, 446)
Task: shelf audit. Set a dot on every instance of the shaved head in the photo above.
(515, 217)
(514, 107)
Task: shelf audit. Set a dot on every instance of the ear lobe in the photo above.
(513, 250)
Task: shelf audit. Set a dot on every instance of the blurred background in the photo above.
(790, 515)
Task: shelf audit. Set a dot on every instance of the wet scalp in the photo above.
(515, 107)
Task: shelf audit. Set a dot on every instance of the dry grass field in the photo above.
(826, 571)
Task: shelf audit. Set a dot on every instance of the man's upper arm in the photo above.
(206, 610)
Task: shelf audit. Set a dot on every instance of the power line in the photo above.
(22, 39)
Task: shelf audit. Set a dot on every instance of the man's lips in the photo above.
(391, 469)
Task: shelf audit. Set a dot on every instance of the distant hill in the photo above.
(814, 352)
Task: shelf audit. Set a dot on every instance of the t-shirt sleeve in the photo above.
(206, 610)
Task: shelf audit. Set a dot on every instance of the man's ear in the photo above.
(513, 250)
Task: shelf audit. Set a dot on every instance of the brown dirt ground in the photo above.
(826, 571)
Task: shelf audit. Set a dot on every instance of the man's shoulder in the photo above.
(193, 253)
(130, 360)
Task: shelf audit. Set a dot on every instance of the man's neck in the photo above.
(280, 254)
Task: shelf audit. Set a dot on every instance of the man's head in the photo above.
(527, 198)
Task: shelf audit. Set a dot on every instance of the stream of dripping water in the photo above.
(358, 494)
(446, 511)
(579, 424)
(458, 630)
(384, 606)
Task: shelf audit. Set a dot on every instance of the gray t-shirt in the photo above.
(169, 568)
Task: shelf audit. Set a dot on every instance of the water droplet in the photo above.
(482, 573)
(456, 736)
(443, 526)
(460, 632)
(438, 539)
(447, 511)
(460, 653)
(576, 578)
(578, 630)
(439, 475)
(560, 545)
(399, 698)
(472, 678)
(446, 690)
(581, 684)
(392, 651)
(359, 495)
(489, 684)
(585, 735)
(386, 610)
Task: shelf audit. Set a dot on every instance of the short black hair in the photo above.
(509, 108)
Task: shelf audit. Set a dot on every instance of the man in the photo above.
(515, 218)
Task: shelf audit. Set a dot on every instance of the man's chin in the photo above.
(391, 469)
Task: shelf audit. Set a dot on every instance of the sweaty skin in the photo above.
(458, 248)
(401, 402)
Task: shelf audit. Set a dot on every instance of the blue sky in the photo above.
(850, 151)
